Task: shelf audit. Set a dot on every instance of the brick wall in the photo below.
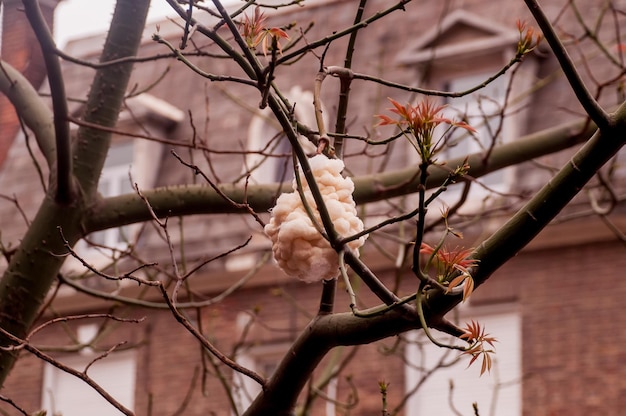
(573, 320)
(170, 363)
(570, 300)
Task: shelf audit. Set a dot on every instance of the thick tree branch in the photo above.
(531, 219)
(30, 108)
(321, 335)
(589, 103)
(62, 183)
(106, 96)
(551, 199)
(35, 265)
(198, 199)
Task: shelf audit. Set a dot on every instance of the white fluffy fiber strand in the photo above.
(298, 247)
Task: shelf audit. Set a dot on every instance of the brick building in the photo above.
(555, 307)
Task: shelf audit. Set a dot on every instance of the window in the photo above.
(262, 359)
(146, 115)
(64, 394)
(269, 162)
(67, 395)
(124, 158)
(462, 51)
(496, 393)
(114, 181)
(481, 110)
(268, 166)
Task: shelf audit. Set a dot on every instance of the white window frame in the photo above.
(254, 357)
(69, 395)
(117, 178)
(245, 390)
(264, 127)
(475, 109)
(501, 321)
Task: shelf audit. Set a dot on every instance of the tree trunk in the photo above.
(37, 261)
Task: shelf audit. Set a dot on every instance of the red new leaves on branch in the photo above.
(420, 121)
(255, 33)
(529, 38)
(452, 266)
(476, 335)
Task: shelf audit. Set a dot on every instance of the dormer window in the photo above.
(463, 42)
(461, 53)
(127, 158)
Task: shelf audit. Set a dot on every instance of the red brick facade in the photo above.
(572, 344)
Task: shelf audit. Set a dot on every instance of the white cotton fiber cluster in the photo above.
(298, 247)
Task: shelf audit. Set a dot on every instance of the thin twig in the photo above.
(160, 305)
(128, 275)
(207, 344)
(243, 206)
(82, 375)
(211, 77)
(13, 404)
(341, 33)
(589, 103)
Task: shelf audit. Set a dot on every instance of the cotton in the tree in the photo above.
(298, 248)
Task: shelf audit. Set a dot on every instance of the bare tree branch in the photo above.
(196, 199)
(31, 108)
(64, 192)
(589, 103)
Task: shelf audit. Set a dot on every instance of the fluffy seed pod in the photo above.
(298, 247)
